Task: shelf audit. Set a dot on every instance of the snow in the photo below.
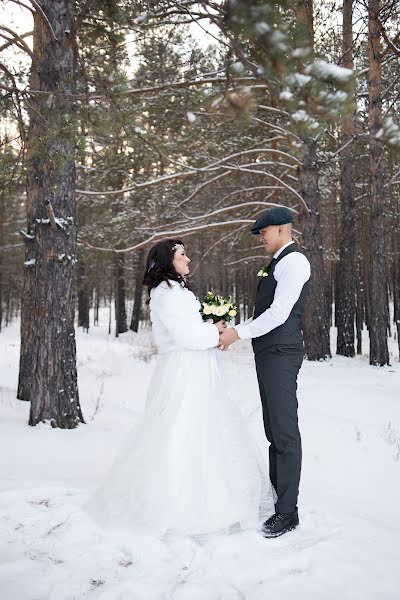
(329, 71)
(298, 79)
(191, 117)
(262, 28)
(30, 263)
(390, 132)
(142, 18)
(60, 222)
(286, 95)
(345, 548)
(300, 116)
(302, 52)
(237, 67)
(334, 98)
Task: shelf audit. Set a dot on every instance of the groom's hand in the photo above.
(228, 337)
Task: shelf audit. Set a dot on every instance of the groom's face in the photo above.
(271, 237)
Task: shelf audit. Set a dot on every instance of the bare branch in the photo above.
(18, 40)
(238, 207)
(211, 248)
(200, 188)
(246, 259)
(11, 42)
(162, 234)
(287, 186)
(10, 247)
(391, 44)
(23, 5)
(207, 169)
(332, 156)
(177, 85)
(46, 20)
(274, 110)
(21, 126)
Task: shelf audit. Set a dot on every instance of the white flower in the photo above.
(207, 310)
(232, 312)
(265, 274)
(214, 309)
(260, 273)
(220, 310)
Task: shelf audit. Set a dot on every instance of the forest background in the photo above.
(126, 122)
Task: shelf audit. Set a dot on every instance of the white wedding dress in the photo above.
(192, 467)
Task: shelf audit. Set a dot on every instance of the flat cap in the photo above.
(279, 215)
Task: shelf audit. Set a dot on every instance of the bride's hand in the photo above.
(220, 325)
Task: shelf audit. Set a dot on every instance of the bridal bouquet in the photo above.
(216, 308)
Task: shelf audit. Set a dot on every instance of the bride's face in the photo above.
(181, 262)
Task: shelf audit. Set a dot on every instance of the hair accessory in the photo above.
(176, 246)
(152, 264)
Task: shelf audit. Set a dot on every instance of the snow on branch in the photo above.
(10, 247)
(329, 72)
(162, 234)
(265, 173)
(217, 165)
(238, 207)
(246, 259)
(146, 90)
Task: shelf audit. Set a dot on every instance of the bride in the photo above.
(192, 466)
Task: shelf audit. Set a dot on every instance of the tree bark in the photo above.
(345, 309)
(1, 255)
(137, 301)
(83, 297)
(48, 374)
(121, 325)
(379, 354)
(396, 275)
(316, 319)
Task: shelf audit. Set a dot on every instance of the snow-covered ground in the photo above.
(347, 546)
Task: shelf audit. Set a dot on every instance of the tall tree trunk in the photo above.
(316, 317)
(121, 325)
(48, 353)
(1, 255)
(83, 296)
(379, 354)
(359, 304)
(345, 309)
(396, 273)
(137, 301)
(1, 292)
(96, 304)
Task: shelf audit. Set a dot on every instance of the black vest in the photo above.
(289, 333)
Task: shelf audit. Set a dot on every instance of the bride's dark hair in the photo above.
(159, 265)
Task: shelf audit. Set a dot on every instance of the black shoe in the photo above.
(280, 523)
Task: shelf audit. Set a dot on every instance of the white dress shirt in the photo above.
(290, 273)
(176, 321)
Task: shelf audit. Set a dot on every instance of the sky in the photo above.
(20, 20)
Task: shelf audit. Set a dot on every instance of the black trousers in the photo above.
(277, 369)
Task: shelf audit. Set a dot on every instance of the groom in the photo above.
(277, 341)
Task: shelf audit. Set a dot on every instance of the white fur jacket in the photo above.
(177, 323)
